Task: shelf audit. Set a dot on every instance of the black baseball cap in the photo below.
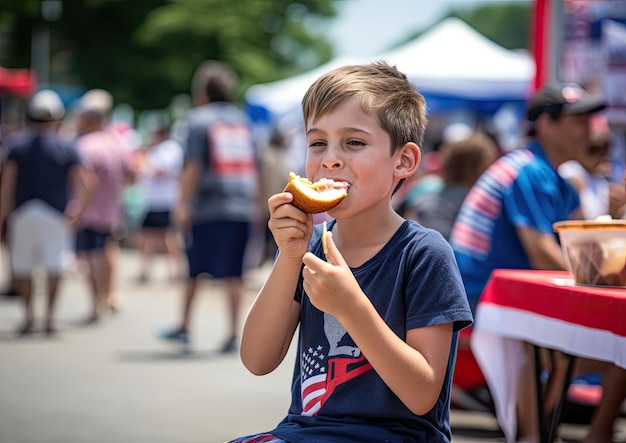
(563, 98)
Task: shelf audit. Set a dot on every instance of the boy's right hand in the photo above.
(291, 227)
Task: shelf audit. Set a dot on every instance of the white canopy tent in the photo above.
(451, 64)
(454, 60)
(282, 98)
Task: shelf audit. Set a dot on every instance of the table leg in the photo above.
(549, 420)
(555, 418)
(539, 393)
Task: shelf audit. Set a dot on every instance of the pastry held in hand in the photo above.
(313, 198)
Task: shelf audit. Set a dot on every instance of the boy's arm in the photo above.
(272, 320)
(274, 315)
(414, 370)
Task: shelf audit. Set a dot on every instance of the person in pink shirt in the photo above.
(105, 155)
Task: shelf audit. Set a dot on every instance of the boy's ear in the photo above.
(409, 160)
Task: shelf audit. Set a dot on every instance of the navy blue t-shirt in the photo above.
(337, 396)
(43, 161)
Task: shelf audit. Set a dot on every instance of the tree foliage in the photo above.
(145, 51)
(507, 24)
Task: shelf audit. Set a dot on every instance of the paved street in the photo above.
(115, 382)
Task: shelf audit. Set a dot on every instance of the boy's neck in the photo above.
(360, 238)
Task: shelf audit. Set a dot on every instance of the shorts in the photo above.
(39, 236)
(259, 438)
(156, 220)
(91, 240)
(217, 248)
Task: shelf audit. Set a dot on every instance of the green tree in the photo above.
(145, 51)
(507, 24)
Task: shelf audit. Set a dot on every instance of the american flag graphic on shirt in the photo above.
(313, 370)
(322, 375)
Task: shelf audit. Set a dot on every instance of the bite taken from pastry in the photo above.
(313, 198)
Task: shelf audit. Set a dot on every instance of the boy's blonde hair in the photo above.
(382, 91)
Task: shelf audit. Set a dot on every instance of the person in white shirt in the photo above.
(159, 172)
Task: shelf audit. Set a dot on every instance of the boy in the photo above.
(379, 315)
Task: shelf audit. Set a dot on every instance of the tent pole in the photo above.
(556, 39)
(540, 41)
(40, 53)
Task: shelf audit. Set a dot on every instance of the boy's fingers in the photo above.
(334, 256)
(278, 200)
(312, 262)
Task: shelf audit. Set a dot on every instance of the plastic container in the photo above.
(595, 251)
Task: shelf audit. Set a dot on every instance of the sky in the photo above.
(369, 27)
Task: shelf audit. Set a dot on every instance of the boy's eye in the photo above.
(322, 143)
(355, 143)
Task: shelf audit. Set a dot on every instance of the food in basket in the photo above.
(595, 251)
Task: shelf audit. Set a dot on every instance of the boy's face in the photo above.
(349, 145)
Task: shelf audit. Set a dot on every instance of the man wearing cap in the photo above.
(39, 170)
(506, 219)
(506, 222)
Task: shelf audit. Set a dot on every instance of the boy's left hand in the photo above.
(330, 285)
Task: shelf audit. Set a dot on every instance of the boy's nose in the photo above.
(332, 160)
(332, 164)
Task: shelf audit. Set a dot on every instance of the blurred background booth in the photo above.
(464, 77)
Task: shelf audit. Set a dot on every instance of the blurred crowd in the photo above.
(106, 186)
(77, 186)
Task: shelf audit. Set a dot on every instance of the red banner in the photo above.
(18, 82)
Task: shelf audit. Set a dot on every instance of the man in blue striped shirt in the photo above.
(506, 219)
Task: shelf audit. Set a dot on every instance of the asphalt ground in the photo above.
(117, 382)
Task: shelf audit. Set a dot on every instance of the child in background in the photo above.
(379, 315)
(158, 181)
